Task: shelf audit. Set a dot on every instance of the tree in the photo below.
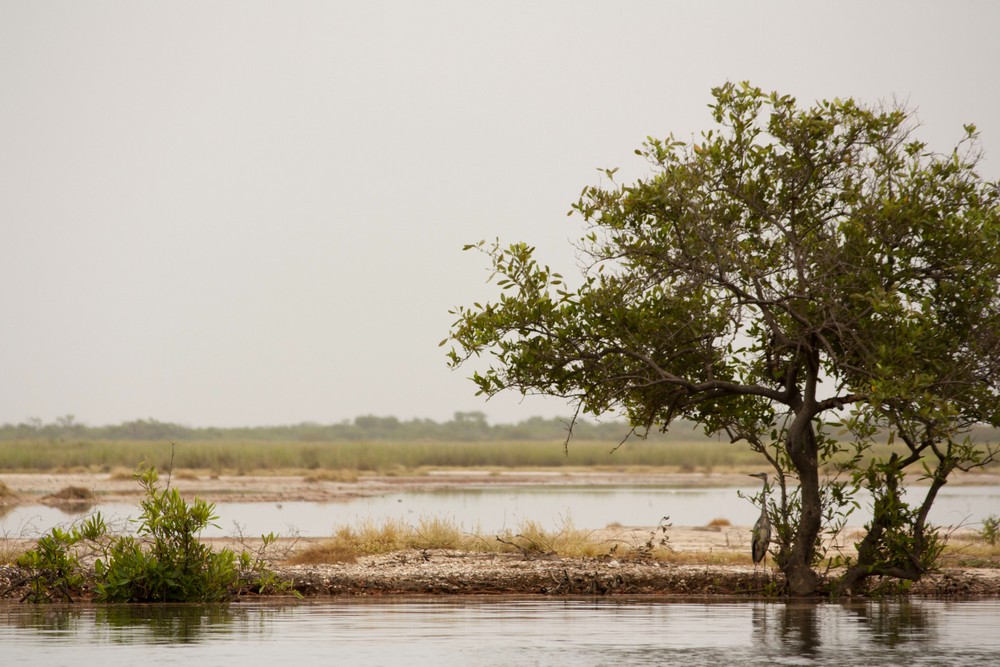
(790, 273)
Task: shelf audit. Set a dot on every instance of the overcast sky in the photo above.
(252, 213)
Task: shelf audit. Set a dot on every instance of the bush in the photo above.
(990, 531)
(164, 562)
(53, 568)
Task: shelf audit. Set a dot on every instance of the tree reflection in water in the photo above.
(806, 629)
(798, 628)
(153, 624)
(893, 623)
(793, 627)
(142, 624)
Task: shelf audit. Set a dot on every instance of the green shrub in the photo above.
(175, 566)
(990, 531)
(53, 569)
(164, 562)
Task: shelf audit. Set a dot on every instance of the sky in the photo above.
(252, 213)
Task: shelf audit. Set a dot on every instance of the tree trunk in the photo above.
(871, 562)
(799, 574)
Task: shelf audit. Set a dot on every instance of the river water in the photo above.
(502, 631)
(492, 509)
(490, 631)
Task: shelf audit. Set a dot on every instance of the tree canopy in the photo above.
(790, 271)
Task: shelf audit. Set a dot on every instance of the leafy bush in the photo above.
(164, 562)
(53, 568)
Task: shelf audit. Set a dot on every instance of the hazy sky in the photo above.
(243, 213)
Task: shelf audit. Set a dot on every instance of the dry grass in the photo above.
(568, 541)
(392, 535)
(338, 475)
(11, 550)
(531, 540)
(369, 538)
(324, 552)
(970, 551)
(722, 557)
(121, 474)
(73, 494)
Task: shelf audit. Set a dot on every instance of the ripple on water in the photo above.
(490, 631)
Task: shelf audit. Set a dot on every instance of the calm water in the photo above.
(505, 632)
(493, 509)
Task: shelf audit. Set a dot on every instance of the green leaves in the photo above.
(164, 562)
(789, 262)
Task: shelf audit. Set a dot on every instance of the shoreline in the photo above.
(453, 573)
(321, 486)
(458, 573)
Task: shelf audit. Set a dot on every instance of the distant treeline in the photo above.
(463, 427)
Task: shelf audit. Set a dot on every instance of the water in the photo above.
(495, 509)
(477, 631)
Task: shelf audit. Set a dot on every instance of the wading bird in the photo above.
(761, 535)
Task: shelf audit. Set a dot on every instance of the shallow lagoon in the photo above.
(492, 509)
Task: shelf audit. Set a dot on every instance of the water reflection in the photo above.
(798, 628)
(891, 624)
(124, 624)
(155, 624)
(808, 629)
(73, 508)
(504, 632)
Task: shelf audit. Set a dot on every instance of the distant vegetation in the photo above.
(464, 427)
(377, 456)
(379, 445)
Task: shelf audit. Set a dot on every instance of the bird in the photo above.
(761, 535)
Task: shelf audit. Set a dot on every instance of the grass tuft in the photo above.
(569, 541)
(324, 552)
(338, 475)
(73, 494)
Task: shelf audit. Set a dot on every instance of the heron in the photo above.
(761, 535)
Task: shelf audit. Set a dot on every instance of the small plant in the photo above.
(658, 540)
(990, 532)
(174, 566)
(53, 569)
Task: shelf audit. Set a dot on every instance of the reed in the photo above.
(346, 459)
(382, 457)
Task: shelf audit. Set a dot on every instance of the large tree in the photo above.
(789, 272)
